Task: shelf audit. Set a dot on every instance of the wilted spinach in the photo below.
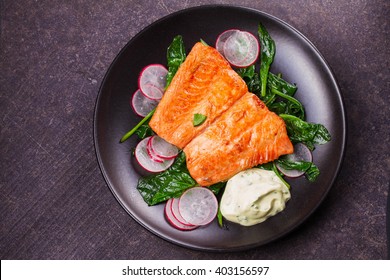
(305, 132)
(310, 169)
(144, 131)
(176, 54)
(276, 81)
(312, 173)
(246, 73)
(291, 106)
(267, 56)
(279, 93)
(170, 183)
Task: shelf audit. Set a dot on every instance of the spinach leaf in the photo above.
(171, 183)
(267, 56)
(293, 106)
(279, 107)
(305, 132)
(282, 101)
(277, 91)
(312, 173)
(217, 187)
(254, 84)
(176, 54)
(144, 131)
(310, 169)
(247, 72)
(276, 81)
(219, 216)
(293, 165)
(295, 109)
(265, 166)
(280, 176)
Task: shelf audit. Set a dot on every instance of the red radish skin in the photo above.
(222, 39)
(151, 153)
(162, 148)
(172, 219)
(241, 49)
(144, 160)
(152, 81)
(176, 212)
(255, 51)
(152, 156)
(152, 92)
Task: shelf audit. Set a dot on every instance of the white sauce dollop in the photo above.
(252, 196)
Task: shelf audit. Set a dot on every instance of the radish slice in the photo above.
(152, 81)
(151, 153)
(222, 39)
(301, 153)
(152, 92)
(162, 148)
(141, 104)
(176, 212)
(172, 219)
(143, 158)
(241, 49)
(198, 206)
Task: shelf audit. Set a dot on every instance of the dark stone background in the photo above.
(55, 203)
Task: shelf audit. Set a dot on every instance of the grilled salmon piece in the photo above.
(246, 135)
(204, 84)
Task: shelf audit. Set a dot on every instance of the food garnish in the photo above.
(199, 119)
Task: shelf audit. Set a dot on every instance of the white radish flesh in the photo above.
(152, 81)
(172, 219)
(219, 44)
(198, 206)
(176, 212)
(144, 159)
(141, 104)
(241, 49)
(151, 153)
(162, 148)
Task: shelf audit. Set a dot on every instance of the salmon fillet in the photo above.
(246, 135)
(239, 132)
(204, 84)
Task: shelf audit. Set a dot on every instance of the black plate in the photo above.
(298, 60)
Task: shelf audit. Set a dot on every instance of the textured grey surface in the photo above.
(54, 201)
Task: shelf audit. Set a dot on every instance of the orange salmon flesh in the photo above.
(239, 132)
